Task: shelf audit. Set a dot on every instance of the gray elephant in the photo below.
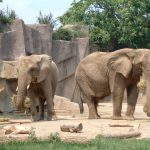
(37, 75)
(103, 73)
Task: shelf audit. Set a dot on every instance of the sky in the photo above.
(28, 10)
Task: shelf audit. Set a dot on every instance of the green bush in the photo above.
(46, 19)
(7, 16)
(62, 34)
(70, 32)
(79, 34)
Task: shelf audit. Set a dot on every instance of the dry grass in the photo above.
(26, 104)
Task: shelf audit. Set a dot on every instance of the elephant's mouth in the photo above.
(34, 79)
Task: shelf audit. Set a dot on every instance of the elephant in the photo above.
(101, 74)
(37, 77)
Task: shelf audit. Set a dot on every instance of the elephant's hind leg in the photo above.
(51, 115)
(92, 105)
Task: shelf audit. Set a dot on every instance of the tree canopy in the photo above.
(113, 24)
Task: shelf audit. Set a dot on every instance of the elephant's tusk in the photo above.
(1, 90)
(17, 89)
(28, 86)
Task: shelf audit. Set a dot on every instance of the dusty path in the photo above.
(91, 128)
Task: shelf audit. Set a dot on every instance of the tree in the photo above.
(113, 24)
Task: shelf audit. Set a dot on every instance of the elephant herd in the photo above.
(98, 75)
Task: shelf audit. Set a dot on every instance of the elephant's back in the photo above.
(97, 58)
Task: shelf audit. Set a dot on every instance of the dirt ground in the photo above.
(91, 128)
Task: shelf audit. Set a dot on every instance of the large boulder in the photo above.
(8, 69)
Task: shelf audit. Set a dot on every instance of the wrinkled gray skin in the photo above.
(103, 73)
(37, 74)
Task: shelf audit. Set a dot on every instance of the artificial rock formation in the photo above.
(21, 39)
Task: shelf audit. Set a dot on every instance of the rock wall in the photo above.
(21, 39)
(38, 39)
(67, 55)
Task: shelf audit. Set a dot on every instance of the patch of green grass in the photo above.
(96, 144)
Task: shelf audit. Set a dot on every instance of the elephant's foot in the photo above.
(52, 118)
(130, 118)
(94, 116)
(41, 118)
(117, 118)
(34, 118)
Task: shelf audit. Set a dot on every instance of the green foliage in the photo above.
(46, 19)
(7, 16)
(79, 30)
(54, 137)
(70, 32)
(96, 144)
(113, 24)
(32, 135)
(62, 34)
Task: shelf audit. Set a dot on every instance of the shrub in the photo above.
(62, 34)
(46, 19)
(54, 137)
(7, 16)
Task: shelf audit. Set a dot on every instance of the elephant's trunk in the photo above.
(22, 86)
(148, 98)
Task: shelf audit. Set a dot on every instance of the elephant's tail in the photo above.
(79, 97)
(80, 100)
(81, 103)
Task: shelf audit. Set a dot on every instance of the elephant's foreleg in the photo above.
(132, 95)
(96, 105)
(50, 104)
(117, 95)
(41, 107)
(34, 114)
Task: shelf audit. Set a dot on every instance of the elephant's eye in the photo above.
(17, 70)
(32, 69)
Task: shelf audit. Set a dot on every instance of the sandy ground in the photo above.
(91, 128)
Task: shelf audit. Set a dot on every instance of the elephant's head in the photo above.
(142, 59)
(135, 61)
(31, 69)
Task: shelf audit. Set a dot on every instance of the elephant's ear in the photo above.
(139, 59)
(120, 64)
(45, 63)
